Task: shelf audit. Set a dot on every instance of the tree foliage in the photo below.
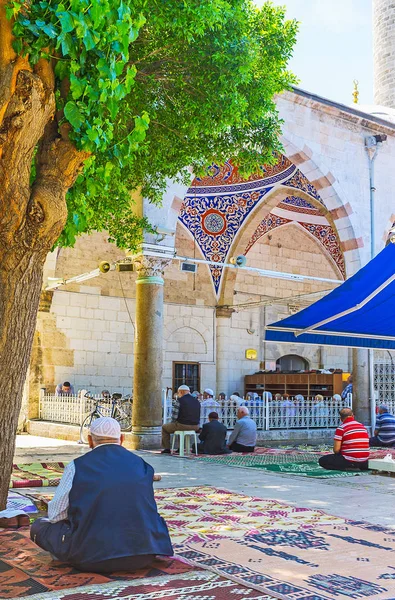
(151, 87)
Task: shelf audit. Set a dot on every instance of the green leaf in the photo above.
(77, 86)
(66, 21)
(50, 30)
(73, 115)
(89, 41)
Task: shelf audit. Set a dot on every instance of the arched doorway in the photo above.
(292, 362)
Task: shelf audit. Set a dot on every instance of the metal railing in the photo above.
(69, 409)
(274, 414)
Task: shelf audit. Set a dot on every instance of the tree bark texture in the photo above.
(32, 216)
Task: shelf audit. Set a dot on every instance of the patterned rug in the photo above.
(205, 513)
(17, 501)
(25, 569)
(36, 475)
(282, 551)
(327, 562)
(195, 585)
(303, 464)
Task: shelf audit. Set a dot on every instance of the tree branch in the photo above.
(10, 63)
(58, 164)
(29, 110)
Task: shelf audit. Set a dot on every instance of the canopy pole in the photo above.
(372, 146)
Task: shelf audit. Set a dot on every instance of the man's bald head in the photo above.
(345, 412)
(242, 412)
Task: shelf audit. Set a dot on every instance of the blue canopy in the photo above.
(358, 314)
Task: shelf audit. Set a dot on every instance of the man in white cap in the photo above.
(103, 517)
(208, 398)
(185, 416)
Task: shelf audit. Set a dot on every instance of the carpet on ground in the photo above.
(284, 551)
(37, 475)
(304, 464)
(25, 569)
(197, 584)
(207, 512)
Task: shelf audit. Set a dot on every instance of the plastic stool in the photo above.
(185, 438)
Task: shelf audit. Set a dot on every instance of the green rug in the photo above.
(304, 465)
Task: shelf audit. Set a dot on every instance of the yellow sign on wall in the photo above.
(251, 354)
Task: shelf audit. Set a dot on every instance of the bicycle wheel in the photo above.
(123, 414)
(86, 423)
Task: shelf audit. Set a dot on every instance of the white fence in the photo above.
(273, 414)
(69, 409)
(384, 383)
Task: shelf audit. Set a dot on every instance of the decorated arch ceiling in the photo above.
(217, 205)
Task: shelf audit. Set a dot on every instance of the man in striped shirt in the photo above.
(350, 446)
(384, 433)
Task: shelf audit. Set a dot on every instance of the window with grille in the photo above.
(186, 374)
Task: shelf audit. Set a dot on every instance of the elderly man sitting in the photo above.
(384, 433)
(103, 516)
(350, 446)
(243, 437)
(185, 416)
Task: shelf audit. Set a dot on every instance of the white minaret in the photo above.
(384, 52)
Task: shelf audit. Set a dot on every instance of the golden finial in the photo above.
(355, 93)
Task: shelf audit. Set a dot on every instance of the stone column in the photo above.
(148, 353)
(383, 52)
(360, 377)
(223, 338)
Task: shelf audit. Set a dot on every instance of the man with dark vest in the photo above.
(213, 437)
(103, 517)
(185, 416)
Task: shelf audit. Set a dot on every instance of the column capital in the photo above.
(150, 268)
(224, 311)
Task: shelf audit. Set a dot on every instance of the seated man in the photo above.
(350, 446)
(185, 416)
(103, 517)
(384, 433)
(243, 437)
(213, 437)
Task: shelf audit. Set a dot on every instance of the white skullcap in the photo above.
(209, 392)
(184, 388)
(106, 427)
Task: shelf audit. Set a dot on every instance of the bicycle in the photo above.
(120, 410)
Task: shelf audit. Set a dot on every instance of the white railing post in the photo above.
(267, 410)
(41, 403)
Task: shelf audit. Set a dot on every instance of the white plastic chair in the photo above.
(185, 441)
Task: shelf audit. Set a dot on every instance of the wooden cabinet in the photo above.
(307, 384)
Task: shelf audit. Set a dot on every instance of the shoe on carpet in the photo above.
(165, 451)
(23, 520)
(9, 522)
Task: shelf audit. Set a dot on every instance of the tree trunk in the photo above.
(32, 217)
(19, 297)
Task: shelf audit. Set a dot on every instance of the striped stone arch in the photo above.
(328, 188)
(317, 188)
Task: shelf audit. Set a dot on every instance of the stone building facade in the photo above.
(309, 215)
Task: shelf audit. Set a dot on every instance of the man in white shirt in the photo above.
(208, 398)
(103, 517)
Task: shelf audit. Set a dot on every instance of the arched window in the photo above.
(292, 362)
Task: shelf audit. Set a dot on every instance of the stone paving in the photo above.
(367, 497)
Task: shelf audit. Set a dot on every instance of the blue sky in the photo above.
(334, 47)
